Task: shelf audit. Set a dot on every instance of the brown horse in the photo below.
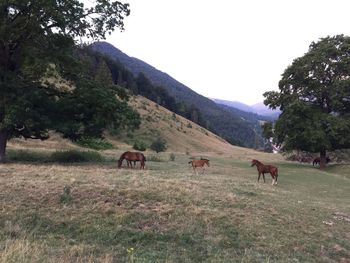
(262, 169)
(199, 163)
(132, 157)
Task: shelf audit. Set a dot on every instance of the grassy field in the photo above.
(97, 213)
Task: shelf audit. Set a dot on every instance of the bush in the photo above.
(73, 156)
(140, 146)
(159, 145)
(172, 157)
(94, 143)
(27, 156)
(154, 158)
(66, 197)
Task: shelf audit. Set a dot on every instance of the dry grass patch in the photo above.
(166, 213)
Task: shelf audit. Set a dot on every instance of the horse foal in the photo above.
(262, 169)
(199, 163)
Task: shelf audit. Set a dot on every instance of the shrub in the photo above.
(140, 146)
(159, 145)
(27, 156)
(66, 196)
(94, 143)
(73, 156)
(154, 158)
(172, 157)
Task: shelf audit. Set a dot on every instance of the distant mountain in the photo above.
(258, 108)
(223, 122)
(261, 109)
(235, 104)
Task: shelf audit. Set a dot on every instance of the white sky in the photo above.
(228, 49)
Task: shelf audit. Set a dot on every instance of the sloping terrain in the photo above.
(180, 134)
(224, 123)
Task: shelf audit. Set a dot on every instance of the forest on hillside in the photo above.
(141, 78)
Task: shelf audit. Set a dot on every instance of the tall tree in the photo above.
(314, 98)
(40, 76)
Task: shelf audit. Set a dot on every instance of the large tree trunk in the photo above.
(3, 142)
(322, 159)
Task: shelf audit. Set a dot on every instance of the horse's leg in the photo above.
(276, 175)
(263, 176)
(259, 176)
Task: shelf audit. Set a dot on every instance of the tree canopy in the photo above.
(42, 83)
(314, 97)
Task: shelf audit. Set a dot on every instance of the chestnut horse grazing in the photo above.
(262, 169)
(132, 157)
(199, 163)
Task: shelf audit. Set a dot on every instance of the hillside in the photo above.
(181, 135)
(223, 122)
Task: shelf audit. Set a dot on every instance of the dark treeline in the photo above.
(223, 122)
(107, 70)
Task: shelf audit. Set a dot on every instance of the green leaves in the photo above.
(314, 98)
(42, 84)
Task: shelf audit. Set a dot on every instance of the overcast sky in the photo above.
(226, 49)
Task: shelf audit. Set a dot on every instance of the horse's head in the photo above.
(254, 162)
(120, 163)
(206, 161)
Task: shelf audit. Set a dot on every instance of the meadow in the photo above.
(94, 212)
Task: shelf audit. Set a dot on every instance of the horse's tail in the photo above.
(190, 162)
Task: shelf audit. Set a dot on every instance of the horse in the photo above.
(132, 157)
(262, 169)
(317, 160)
(199, 163)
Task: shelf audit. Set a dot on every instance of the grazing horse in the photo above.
(317, 160)
(199, 163)
(132, 157)
(262, 169)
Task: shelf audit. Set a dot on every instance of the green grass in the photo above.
(167, 213)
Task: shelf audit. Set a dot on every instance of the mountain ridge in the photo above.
(221, 120)
(258, 108)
